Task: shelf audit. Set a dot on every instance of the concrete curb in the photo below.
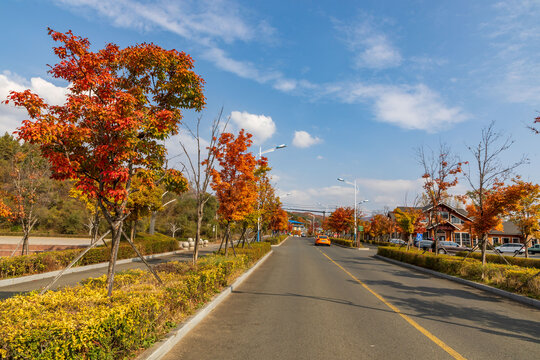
(518, 298)
(161, 348)
(50, 274)
(281, 243)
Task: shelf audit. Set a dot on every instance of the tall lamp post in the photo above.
(355, 204)
(259, 200)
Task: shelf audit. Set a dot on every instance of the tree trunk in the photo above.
(227, 236)
(483, 249)
(152, 227)
(198, 234)
(24, 250)
(527, 246)
(116, 230)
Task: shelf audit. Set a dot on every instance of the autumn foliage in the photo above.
(410, 220)
(341, 220)
(235, 183)
(121, 104)
(380, 226)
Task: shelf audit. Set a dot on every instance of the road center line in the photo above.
(417, 326)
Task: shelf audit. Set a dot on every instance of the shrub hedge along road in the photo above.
(520, 280)
(494, 258)
(56, 260)
(81, 322)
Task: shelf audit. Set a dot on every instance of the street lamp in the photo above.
(277, 147)
(355, 204)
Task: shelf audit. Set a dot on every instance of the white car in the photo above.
(514, 248)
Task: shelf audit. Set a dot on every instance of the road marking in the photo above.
(417, 326)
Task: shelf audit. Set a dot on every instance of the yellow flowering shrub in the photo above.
(81, 322)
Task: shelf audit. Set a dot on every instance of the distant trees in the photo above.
(341, 220)
(523, 199)
(410, 220)
(381, 226)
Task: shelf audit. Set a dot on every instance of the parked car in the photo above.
(322, 240)
(397, 242)
(424, 244)
(450, 247)
(514, 248)
(534, 249)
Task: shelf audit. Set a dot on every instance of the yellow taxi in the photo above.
(322, 240)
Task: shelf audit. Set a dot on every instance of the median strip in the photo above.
(417, 326)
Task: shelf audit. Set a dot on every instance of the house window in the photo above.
(456, 220)
(444, 214)
(505, 240)
(457, 238)
(466, 239)
(495, 240)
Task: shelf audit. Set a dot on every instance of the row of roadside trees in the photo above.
(107, 140)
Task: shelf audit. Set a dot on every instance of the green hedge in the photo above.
(276, 240)
(55, 260)
(81, 322)
(512, 278)
(380, 243)
(343, 242)
(496, 259)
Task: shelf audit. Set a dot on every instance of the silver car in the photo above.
(514, 248)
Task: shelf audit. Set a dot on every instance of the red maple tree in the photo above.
(235, 183)
(121, 105)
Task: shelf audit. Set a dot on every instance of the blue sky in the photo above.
(353, 87)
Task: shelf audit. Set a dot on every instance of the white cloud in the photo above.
(200, 20)
(11, 117)
(372, 48)
(409, 107)
(303, 139)
(260, 126)
(320, 157)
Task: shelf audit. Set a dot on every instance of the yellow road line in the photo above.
(417, 326)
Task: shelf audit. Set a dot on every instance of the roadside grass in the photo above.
(81, 322)
(513, 278)
(55, 260)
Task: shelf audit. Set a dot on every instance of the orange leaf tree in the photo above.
(235, 183)
(380, 226)
(341, 220)
(121, 105)
(524, 208)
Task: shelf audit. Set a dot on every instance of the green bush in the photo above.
(343, 242)
(276, 240)
(81, 322)
(511, 278)
(55, 260)
(496, 259)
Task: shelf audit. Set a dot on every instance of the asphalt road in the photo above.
(301, 304)
(74, 278)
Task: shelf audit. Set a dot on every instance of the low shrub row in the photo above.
(56, 260)
(496, 259)
(512, 278)
(276, 240)
(380, 243)
(343, 242)
(81, 322)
